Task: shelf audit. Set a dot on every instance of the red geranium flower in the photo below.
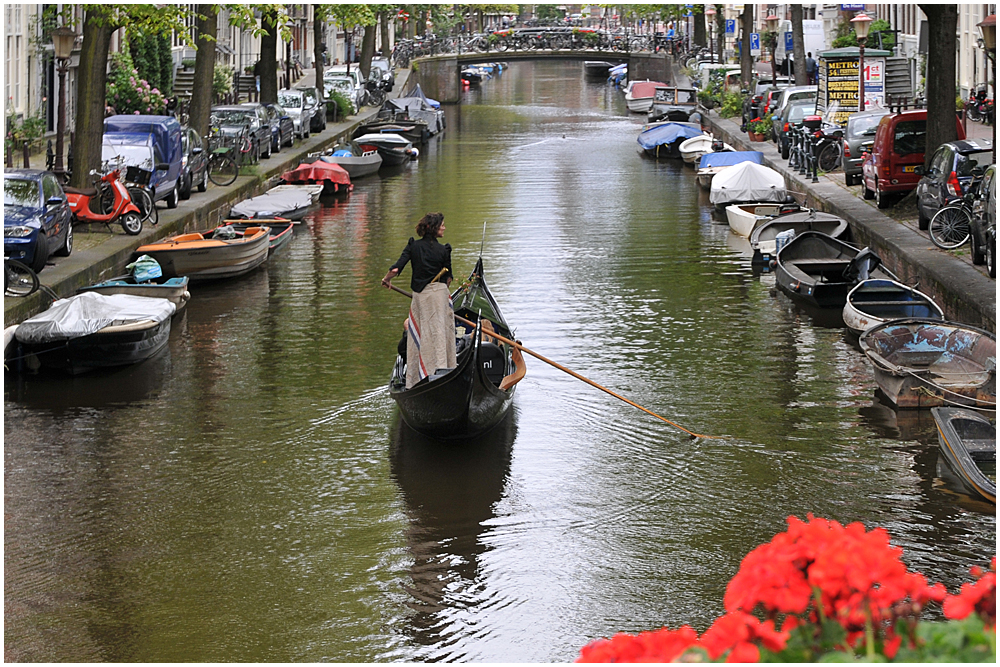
(979, 596)
(663, 645)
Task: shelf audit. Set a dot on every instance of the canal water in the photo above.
(250, 495)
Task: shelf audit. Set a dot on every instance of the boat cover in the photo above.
(273, 203)
(642, 89)
(667, 133)
(90, 312)
(728, 159)
(747, 181)
(388, 140)
(317, 172)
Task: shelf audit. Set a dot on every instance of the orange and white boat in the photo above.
(210, 255)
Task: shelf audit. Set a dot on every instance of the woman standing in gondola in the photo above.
(430, 328)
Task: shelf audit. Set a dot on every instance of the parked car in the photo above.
(232, 119)
(37, 219)
(282, 127)
(354, 74)
(386, 72)
(754, 96)
(893, 166)
(344, 86)
(858, 137)
(984, 222)
(158, 142)
(318, 117)
(194, 162)
(785, 96)
(790, 117)
(295, 105)
(949, 175)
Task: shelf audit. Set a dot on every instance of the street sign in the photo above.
(755, 43)
(730, 26)
(789, 44)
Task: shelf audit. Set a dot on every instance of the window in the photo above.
(910, 137)
(940, 161)
(50, 188)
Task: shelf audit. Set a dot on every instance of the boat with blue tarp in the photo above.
(712, 163)
(664, 140)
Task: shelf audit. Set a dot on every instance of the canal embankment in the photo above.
(964, 291)
(101, 252)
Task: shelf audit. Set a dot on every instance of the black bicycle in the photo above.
(18, 279)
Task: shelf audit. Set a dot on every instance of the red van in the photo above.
(891, 169)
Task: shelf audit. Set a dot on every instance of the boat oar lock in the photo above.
(570, 372)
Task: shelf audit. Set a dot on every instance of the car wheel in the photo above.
(174, 195)
(268, 154)
(276, 146)
(868, 194)
(291, 139)
(305, 130)
(882, 200)
(978, 251)
(67, 247)
(786, 150)
(991, 256)
(923, 222)
(203, 185)
(41, 253)
(185, 192)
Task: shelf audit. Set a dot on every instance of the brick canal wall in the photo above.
(965, 293)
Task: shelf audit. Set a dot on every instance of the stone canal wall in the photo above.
(965, 293)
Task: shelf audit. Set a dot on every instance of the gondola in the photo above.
(475, 395)
(969, 443)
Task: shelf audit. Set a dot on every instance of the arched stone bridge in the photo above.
(440, 77)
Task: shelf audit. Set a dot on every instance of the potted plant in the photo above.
(753, 132)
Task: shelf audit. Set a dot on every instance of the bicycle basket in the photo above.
(138, 175)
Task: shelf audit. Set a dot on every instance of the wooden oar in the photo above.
(573, 373)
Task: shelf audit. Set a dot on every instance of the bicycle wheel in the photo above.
(222, 170)
(829, 157)
(144, 201)
(18, 279)
(949, 228)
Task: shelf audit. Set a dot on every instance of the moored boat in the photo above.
(745, 218)
(288, 204)
(91, 330)
(174, 289)
(314, 190)
(333, 177)
(692, 149)
(968, 443)
(394, 149)
(279, 230)
(878, 300)
(819, 270)
(358, 162)
(210, 255)
(744, 182)
(639, 95)
(674, 104)
(664, 140)
(923, 363)
(475, 395)
(710, 164)
(763, 239)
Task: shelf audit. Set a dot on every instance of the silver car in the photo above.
(297, 106)
(859, 135)
(788, 96)
(344, 86)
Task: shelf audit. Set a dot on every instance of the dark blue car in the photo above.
(37, 220)
(282, 127)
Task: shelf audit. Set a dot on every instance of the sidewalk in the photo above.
(99, 254)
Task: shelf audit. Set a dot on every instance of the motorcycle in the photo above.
(85, 203)
(978, 108)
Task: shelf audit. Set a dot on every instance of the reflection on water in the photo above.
(250, 495)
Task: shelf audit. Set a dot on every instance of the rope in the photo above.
(927, 392)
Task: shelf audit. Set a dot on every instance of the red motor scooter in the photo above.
(84, 201)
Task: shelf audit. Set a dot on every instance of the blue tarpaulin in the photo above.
(727, 159)
(667, 133)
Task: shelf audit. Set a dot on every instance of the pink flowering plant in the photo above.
(129, 94)
(823, 592)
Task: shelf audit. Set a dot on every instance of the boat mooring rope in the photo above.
(573, 373)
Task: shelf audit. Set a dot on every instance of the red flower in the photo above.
(979, 596)
(739, 633)
(663, 645)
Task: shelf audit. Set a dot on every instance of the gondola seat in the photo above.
(492, 358)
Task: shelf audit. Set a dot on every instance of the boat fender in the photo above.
(414, 153)
(773, 264)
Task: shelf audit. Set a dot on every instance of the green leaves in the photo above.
(954, 641)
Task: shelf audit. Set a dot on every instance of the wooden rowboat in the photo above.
(199, 256)
(968, 442)
(174, 290)
(819, 270)
(280, 230)
(924, 363)
(878, 300)
(763, 237)
(475, 395)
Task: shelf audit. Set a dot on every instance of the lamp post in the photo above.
(710, 13)
(772, 27)
(861, 24)
(63, 39)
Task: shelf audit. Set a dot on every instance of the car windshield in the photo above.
(310, 96)
(231, 117)
(964, 164)
(20, 192)
(342, 85)
(800, 111)
(289, 100)
(134, 155)
(864, 126)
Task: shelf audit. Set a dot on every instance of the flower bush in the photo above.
(826, 592)
(760, 125)
(127, 93)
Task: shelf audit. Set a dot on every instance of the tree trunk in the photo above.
(700, 38)
(383, 20)
(411, 27)
(422, 21)
(720, 30)
(367, 50)
(269, 57)
(798, 47)
(206, 26)
(746, 60)
(942, 24)
(318, 57)
(92, 82)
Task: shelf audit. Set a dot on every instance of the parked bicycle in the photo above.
(136, 181)
(952, 224)
(226, 155)
(18, 279)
